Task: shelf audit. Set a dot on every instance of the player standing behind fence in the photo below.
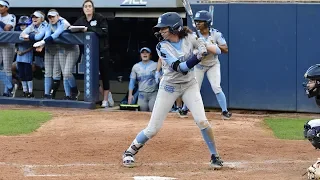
(59, 57)
(144, 72)
(176, 50)
(24, 59)
(210, 64)
(7, 23)
(95, 22)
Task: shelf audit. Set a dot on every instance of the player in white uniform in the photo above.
(210, 64)
(7, 23)
(144, 73)
(176, 50)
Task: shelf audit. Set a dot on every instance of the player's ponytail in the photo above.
(184, 32)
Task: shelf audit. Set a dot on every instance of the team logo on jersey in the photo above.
(93, 23)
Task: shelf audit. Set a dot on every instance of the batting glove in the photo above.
(202, 47)
(39, 43)
(157, 77)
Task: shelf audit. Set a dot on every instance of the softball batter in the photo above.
(176, 51)
(7, 23)
(144, 72)
(211, 64)
(59, 57)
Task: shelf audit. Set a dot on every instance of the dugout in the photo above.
(130, 28)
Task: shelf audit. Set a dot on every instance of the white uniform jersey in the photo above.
(8, 19)
(314, 123)
(170, 52)
(144, 74)
(215, 37)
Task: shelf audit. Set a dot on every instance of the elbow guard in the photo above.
(175, 65)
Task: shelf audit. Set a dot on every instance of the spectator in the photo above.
(95, 22)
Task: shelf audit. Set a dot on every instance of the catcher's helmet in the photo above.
(172, 20)
(312, 83)
(24, 20)
(203, 15)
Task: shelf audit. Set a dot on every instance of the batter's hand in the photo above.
(202, 47)
(130, 98)
(39, 43)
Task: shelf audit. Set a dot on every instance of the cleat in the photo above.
(226, 115)
(47, 96)
(25, 94)
(104, 104)
(74, 96)
(183, 113)
(128, 159)
(67, 98)
(30, 95)
(216, 162)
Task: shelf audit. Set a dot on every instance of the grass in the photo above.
(15, 122)
(287, 128)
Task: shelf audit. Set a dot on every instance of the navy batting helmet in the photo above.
(172, 20)
(24, 20)
(203, 15)
(312, 84)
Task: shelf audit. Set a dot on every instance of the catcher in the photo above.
(312, 127)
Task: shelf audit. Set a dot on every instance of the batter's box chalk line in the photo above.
(31, 170)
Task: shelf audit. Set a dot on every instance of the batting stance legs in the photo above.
(6, 56)
(214, 77)
(166, 96)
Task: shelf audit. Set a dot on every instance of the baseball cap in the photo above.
(53, 13)
(145, 49)
(37, 14)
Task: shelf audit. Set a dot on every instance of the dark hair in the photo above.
(184, 32)
(90, 1)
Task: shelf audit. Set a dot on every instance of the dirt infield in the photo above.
(88, 144)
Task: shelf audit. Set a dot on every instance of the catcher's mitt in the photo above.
(314, 171)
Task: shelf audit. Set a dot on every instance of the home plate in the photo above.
(152, 178)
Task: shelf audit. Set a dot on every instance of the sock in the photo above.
(222, 101)
(9, 82)
(72, 81)
(47, 85)
(24, 86)
(138, 143)
(67, 88)
(30, 86)
(208, 137)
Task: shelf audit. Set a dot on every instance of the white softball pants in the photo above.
(167, 95)
(213, 74)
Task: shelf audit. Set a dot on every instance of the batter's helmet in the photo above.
(24, 20)
(203, 15)
(172, 20)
